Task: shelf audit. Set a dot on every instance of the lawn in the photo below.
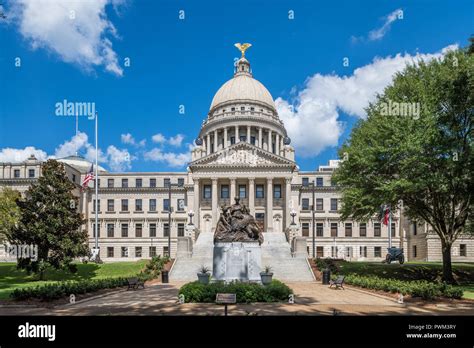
(431, 271)
(11, 278)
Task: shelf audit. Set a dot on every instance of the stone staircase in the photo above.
(276, 253)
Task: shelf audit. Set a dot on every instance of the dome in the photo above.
(80, 163)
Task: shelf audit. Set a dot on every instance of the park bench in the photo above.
(135, 283)
(339, 282)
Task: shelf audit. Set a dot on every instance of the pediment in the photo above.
(242, 155)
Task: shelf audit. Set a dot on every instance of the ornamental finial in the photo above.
(242, 47)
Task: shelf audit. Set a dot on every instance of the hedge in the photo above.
(246, 292)
(418, 288)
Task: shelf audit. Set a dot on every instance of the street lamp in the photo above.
(293, 214)
(191, 214)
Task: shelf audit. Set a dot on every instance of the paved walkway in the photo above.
(311, 298)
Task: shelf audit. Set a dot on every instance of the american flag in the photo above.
(385, 214)
(89, 176)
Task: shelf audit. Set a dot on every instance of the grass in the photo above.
(12, 278)
(431, 271)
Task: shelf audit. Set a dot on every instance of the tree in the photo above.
(50, 220)
(426, 160)
(9, 212)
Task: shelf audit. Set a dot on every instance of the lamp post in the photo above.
(293, 214)
(191, 214)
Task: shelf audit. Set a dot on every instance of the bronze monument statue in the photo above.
(237, 225)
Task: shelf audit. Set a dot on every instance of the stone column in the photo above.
(197, 195)
(288, 206)
(248, 134)
(281, 146)
(236, 134)
(225, 137)
(214, 203)
(269, 204)
(260, 144)
(216, 141)
(232, 189)
(277, 143)
(269, 140)
(208, 144)
(252, 196)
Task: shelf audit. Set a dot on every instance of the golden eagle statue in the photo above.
(242, 47)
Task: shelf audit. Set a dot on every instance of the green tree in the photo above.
(9, 212)
(424, 161)
(50, 220)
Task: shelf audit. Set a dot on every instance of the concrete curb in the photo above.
(376, 295)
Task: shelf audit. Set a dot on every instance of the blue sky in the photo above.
(176, 62)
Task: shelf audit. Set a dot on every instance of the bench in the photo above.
(135, 283)
(339, 282)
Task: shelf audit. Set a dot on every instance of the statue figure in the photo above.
(242, 47)
(237, 225)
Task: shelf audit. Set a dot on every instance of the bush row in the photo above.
(48, 292)
(419, 288)
(246, 292)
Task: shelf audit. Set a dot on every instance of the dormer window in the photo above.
(242, 68)
(242, 108)
(232, 109)
(252, 109)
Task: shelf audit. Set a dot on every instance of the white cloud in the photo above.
(170, 158)
(70, 147)
(158, 138)
(379, 33)
(312, 123)
(118, 160)
(176, 140)
(19, 155)
(77, 31)
(129, 139)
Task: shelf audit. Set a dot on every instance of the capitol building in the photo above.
(242, 150)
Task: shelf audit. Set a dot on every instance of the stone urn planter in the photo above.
(204, 275)
(266, 275)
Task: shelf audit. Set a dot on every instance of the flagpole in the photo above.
(77, 127)
(389, 226)
(96, 186)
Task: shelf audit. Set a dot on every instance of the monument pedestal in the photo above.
(241, 261)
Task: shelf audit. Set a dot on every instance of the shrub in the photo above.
(245, 292)
(420, 288)
(327, 263)
(58, 290)
(153, 267)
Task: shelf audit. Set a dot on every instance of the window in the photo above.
(319, 204)
(305, 182)
(138, 182)
(93, 205)
(73, 177)
(305, 229)
(98, 230)
(138, 230)
(166, 204)
(124, 252)
(138, 251)
(232, 109)
(348, 229)
(110, 230)
(181, 204)
(224, 191)
(110, 205)
(377, 251)
(363, 229)
(333, 251)
(152, 182)
(319, 229)
(31, 173)
(110, 183)
(110, 251)
(393, 229)
(207, 192)
(180, 230)
(305, 203)
(348, 252)
(166, 182)
(242, 191)
(259, 191)
(166, 251)
(166, 230)
(334, 204)
(333, 229)
(363, 251)
(319, 182)
(16, 173)
(462, 249)
(414, 251)
(243, 138)
(232, 140)
(124, 230)
(377, 230)
(252, 140)
(242, 108)
(152, 251)
(319, 251)
(152, 204)
(180, 182)
(138, 205)
(252, 108)
(414, 229)
(273, 148)
(152, 230)
(124, 183)
(124, 204)
(277, 191)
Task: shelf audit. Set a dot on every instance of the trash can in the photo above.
(164, 277)
(326, 276)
